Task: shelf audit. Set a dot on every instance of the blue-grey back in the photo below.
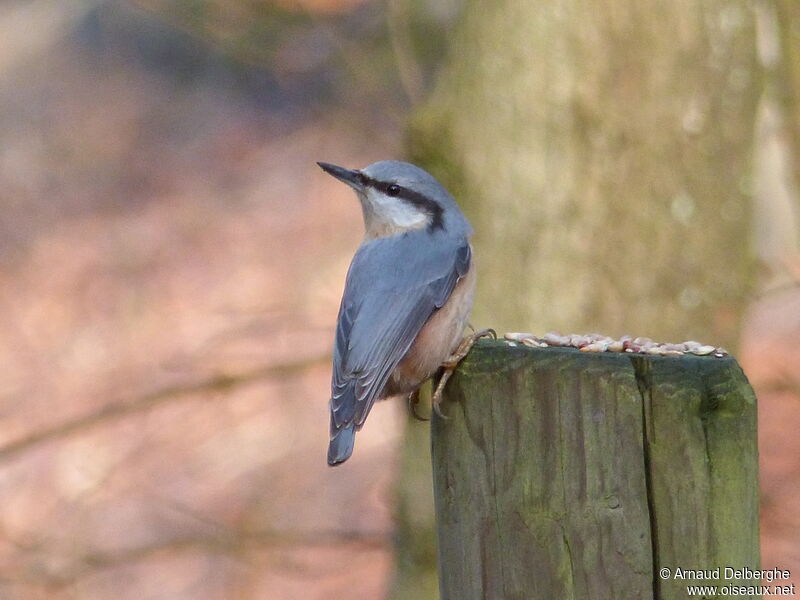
(393, 286)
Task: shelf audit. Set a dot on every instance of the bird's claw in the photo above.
(436, 407)
(413, 400)
(451, 364)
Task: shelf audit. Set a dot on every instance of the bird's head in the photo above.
(397, 197)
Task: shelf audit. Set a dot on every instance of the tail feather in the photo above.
(341, 445)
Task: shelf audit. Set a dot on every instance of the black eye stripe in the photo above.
(420, 201)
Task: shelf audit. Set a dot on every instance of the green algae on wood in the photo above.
(564, 474)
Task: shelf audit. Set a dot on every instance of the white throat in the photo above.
(403, 215)
(384, 216)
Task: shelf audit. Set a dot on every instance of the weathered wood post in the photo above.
(568, 475)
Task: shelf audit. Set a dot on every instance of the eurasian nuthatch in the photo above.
(407, 296)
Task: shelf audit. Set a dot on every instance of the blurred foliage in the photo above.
(367, 51)
(260, 32)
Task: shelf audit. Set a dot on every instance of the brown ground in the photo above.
(771, 358)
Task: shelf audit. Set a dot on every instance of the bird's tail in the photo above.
(341, 446)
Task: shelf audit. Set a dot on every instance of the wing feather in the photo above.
(393, 287)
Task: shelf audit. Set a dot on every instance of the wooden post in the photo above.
(572, 475)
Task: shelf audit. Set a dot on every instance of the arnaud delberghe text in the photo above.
(768, 575)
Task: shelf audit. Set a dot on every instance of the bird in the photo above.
(407, 298)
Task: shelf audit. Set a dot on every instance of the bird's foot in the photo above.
(413, 401)
(451, 364)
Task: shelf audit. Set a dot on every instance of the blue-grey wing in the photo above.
(393, 287)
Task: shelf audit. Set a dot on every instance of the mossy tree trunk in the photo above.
(786, 14)
(778, 148)
(416, 575)
(601, 151)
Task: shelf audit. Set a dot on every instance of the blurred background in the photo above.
(171, 258)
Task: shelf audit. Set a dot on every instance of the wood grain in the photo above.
(562, 474)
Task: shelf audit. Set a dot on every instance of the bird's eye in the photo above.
(393, 190)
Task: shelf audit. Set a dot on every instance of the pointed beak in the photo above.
(351, 178)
